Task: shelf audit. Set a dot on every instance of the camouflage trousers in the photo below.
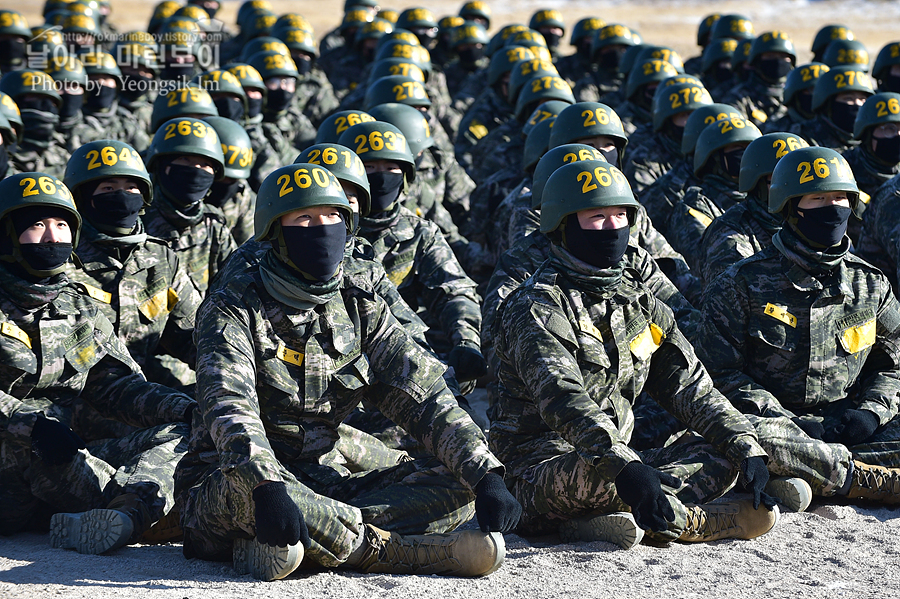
(142, 463)
(412, 497)
(568, 486)
(825, 466)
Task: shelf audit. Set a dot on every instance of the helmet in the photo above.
(501, 38)
(357, 4)
(330, 129)
(416, 18)
(828, 34)
(255, 24)
(298, 39)
(10, 110)
(19, 83)
(699, 119)
(47, 44)
(80, 24)
(296, 186)
(836, 81)
(67, 69)
(171, 41)
(878, 109)
(842, 53)
(547, 17)
(273, 64)
(670, 100)
(887, 57)
(553, 159)
(736, 27)
(380, 141)
(264, 43)
(374, 30)
(585, 28)
(182, 101)
(537, 143)
(134, 54)
(468, 33)
(646, 72)
(237, 151)
(407, 37)
(476, 9)
(719, 134)
(101, 63)
(104, 159)
(292, 20)
(398, 48)
(740, 56)
(248, 76)
(192, 11)
(504, 59)
(612, 35)
(566, 192)
(705, 29)
(762, 154)
(353, 19)
(222, 82)
(410, 121)
(447, 23)
(802, 78)
(660, 53)
(390, 67)
(716, 50)
(541, 88)
(13, 23)
(527, 38)
(344, 164)
(542, 113)
(161, 12)
(810, 170)
(186, 136)
(587, 119)
(772, 41)
(524, 70)
(396, 88)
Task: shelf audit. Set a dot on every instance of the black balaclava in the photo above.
(303, 66)
(12, 51)
(774, 70)
(113, 212)
(844, 115)
(177, 71)
(101, 100)
(38, 260)
(4, 161)
(41, 121)
(70, 106)
(385, 188)
(254, 107)
(185, 185)
(721, 72)
(612, 156)
(603, 248)
(890, 83)
(804, 104)
(887, 150)
(135, 86)
(278, 100)
(230, 107)
(583, 48)
(731, 163)
(610, 60)
(821, 227)
(222, 191)
(471, 55)
(316, 252)
(552, 40)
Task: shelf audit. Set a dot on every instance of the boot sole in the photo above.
(618, 528)
(793, 493)
(500, 548)
(92, 533)
(265, 562)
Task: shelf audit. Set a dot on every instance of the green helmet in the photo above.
(292, 20)
(670, 100)
(449, 22)
(612, 35)
(172, 43)
(264, 43)
(182, 101)
(740, 57)
(374, 30)
(699, 119)
(257, 23)
(249, 6)
(345, 165)
(504, 59)
(398, 48)
(298, 40)
(237, 151)
(645, 73)
(380, 141)
(802, 78)
(10, 110)
(836, 81)
(736, 27)
(626, 63)
(761, 156)
(810, 170)
(704, 31)
(568, 191)
(101, 63)
(527, 38)
(772, 41)
(392, 67)
(19, 83)
(354, 19)
(468, 33)
(139, 37)
(27, 190)
(161, 12)
(46, 44)
(555, 158)
(400, 35)
(476, 9)
(7, 131)
(330, 129)
(410, 121)
(192, 11)
(186, 136)
(137, 55)
(537, 142)
(273, 64)
(524, 70)
(403, 90)
(416, 18)
(587, 119)
(67, 69)
(296, 186)
(538, 90)
(547, 17)
(585, 28)
(501, 38)
(878, 109)
(13, 23)
(248, 76)
(720, 134)
(660, 53)
(887, 57)
(828, 34)
(542, 113)
(358, 4)
(844, 53)
(717, 50)
(80, 24)
(222, 82)
(105, 159)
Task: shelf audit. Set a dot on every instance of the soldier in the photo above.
(846, 53)
(14, 32)
(886, 70)
(139, 67)
(608, 45)
(331, 128)
(232, 194)
(798, 94)
(8, 140)
(279, 73)
(694, 65)
(575, 66)
(564, 424)
(59, 349)
(468, 42)
(825, 36)
(101, 104)
(226, 92)
(803, 336)
(640, 86)
(549, 23)
(315, 97)
(71, 80)
(876, 159)
(268, 509)
(344, 67)
(715, 68)
(421, 22)
(837, 97)
(356, 14)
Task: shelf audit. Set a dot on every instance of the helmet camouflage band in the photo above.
(810, 170)
(553, 159)
(583, 185)
(105, 159)
(761, 156)
(345, 165)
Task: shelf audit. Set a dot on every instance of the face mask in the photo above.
(303, 66)
(46, 256)
(721, 73)
(222, 191)
(888, 150)
(133, 87)
(891, 83)
(254, 107)
(211, 11)
(552, 39)
(101, 100)
(186, 185)
(609, 61)
(470, 55)
(278, 100)
(612, 156)
(731, 162)
(823, 226)
(804, 102)
(368, 54)
(71, 106)
(230, 107)
(674, 132)
(113, 212)
(602, 248)
(12, 51)
(774, 70)
(384, 189)
(4, 161)
(39, 125)
(844, 115)
(316, 251)
(177, 72)
(584, 48)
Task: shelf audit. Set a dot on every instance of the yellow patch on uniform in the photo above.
(759, 115)
(418, 212)
(855, 339)
(157, 305)
(647, 341)
(779, 313)
(864, 197)
(98, 294)
(353, 85)
(85, 355)
(11, 330)
(291, 356)
(204, 276)
(172, 298)
(398, 276)
(588, 327)
(477, 130)
(704, 220)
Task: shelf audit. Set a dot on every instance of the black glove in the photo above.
(497, 510)
(856, 427)
(812, 428)
(639, 486)
(54, 442)
(754, 478)
(279, 522)
(467, 363)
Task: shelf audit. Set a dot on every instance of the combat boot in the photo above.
(265, 562)
(794, 494)
(618, 528)
(97, 531)
(875, 482)
(165, 530)
(735, 519)
(465, 553)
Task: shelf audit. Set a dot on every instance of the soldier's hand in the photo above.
(495, 507)
(54, 442)
(813, 428)
(279, 522)
(640, 487)
(467, 363)
(856, 426)
(754, 477)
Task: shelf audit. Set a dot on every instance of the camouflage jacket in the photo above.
(645, 236)
(666, 192)
(757, 100)
(789, 331)
(597, 86)
(500, 150)
(118, 123)
(458, 75)
(576, 347)
(238, 211)
(633, 116)
(332, 41)
(786, 122)
(514, 218)
(345, 70)
(488, 112)
(879, 241)
(295, 128)
(471, 88)
(50, 159)
(650, 161)
(270, 150)
(820, 132)
(574, 67)
(314, 97)
(870, 173)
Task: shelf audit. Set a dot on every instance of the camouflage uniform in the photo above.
(598, 86)
(786, 122)
(758, 100)
(270, 150)
(458, 75)
(574, 68)
(870, 175)
(795, 319)
(514, 218)
(633, 116)
(295, 128)
(249, 382)
(347, 72)
(50, 157)
(238, 211)
(117, 123)
(820, 132)
(564, 424)
(645, 236)
(488, 112)
(500, 150)
(650, 161)
(879, 241)
(666, 192)
(314, 97)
